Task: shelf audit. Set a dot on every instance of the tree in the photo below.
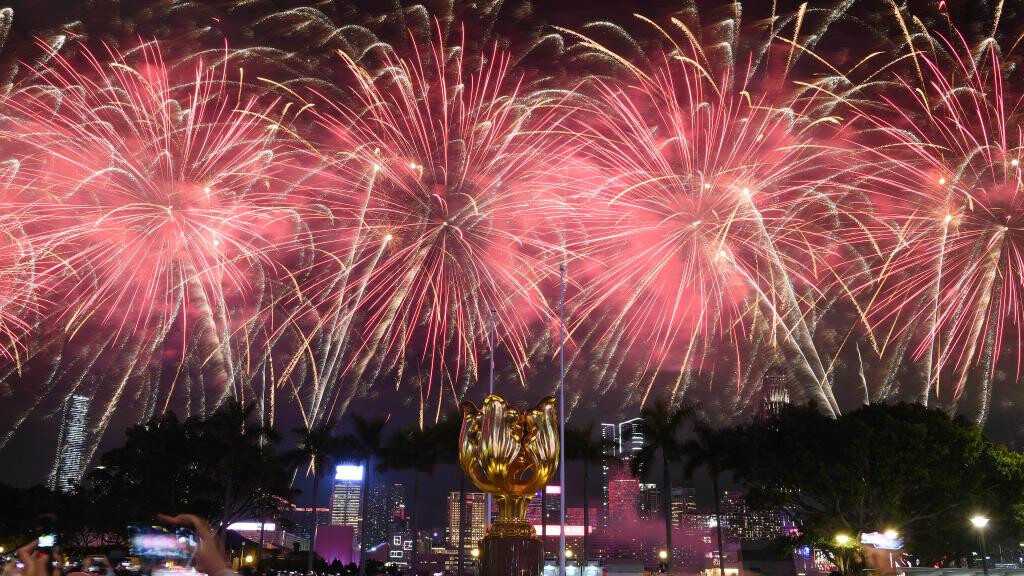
(316, 447)
(157, 470)
(413, 449)
(446, 434)
(363, 444)
(233, 445)
(583, 446)
(904, 467)
(661, 425)
(708, 449)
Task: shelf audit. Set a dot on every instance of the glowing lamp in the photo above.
(979, 521)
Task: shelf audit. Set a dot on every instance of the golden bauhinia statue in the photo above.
(510, 454)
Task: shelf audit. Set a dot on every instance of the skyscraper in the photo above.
(346, 497)
(69, 461)
(396, 500)
(624, 439)
(623, 494)
(378, 514)
(475, 518)
(648, 503)
(684, 502)
(774, 392)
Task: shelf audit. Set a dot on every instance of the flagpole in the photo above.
(490, 390)
(561, 420)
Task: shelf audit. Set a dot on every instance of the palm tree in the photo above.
(316, 447)
(412, 449)
(708, 448)
(446, 437)
(581, 445)
(661, 425)
(363, 445)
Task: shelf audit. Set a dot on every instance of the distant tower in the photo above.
(774, 392)
(475, 519)
(69, 461)
(624, 439)
(346, 498)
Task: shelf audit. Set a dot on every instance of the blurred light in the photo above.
(1014, 162)
(554, 530)
(949, 218)
(979, 521)
(248, 558)
(475, 552)
(568, 553)
(842, 539)
(388, 237)
(552, 489)
(942, 181)
(348, 472)
(663, 554)
(891, 534)
(251, 526)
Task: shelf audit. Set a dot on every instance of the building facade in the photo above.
(69, 460)
(475, 520)
(346, 498)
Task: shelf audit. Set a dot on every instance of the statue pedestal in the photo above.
(511, 556)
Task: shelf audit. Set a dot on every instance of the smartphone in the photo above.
(46, 541)
(162, 543)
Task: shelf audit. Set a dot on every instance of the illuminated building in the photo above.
(648, 502)
(684, 501)
(475, 520)
(346, 497)
(741, 523)
(553, 503)
(396, 501)
(68, 463)
(774, 392)
(272, 535)
(624, 439)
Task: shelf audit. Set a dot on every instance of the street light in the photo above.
(891, 534)
(248, 558)
(475, 552)
(568, 554)
(980, 522)
(663, 554)
(842, 539)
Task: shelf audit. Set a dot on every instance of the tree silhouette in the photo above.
(661, 426)
(415, 449)
(363, 444)
(315, 448)
(583, 446)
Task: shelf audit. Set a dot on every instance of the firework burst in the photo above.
(708, 224)
(946, 200)
(156, 204)
(445, 172)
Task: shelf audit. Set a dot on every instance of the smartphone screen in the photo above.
(46, 541)
(160, 543)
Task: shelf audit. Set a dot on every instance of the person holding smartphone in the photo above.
(38, 561)
(209, 558)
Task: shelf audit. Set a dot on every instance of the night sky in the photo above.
(865, 27)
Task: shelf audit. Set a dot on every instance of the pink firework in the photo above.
(445, 170)
(157, 206)
(946, 199)
(706, 229)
